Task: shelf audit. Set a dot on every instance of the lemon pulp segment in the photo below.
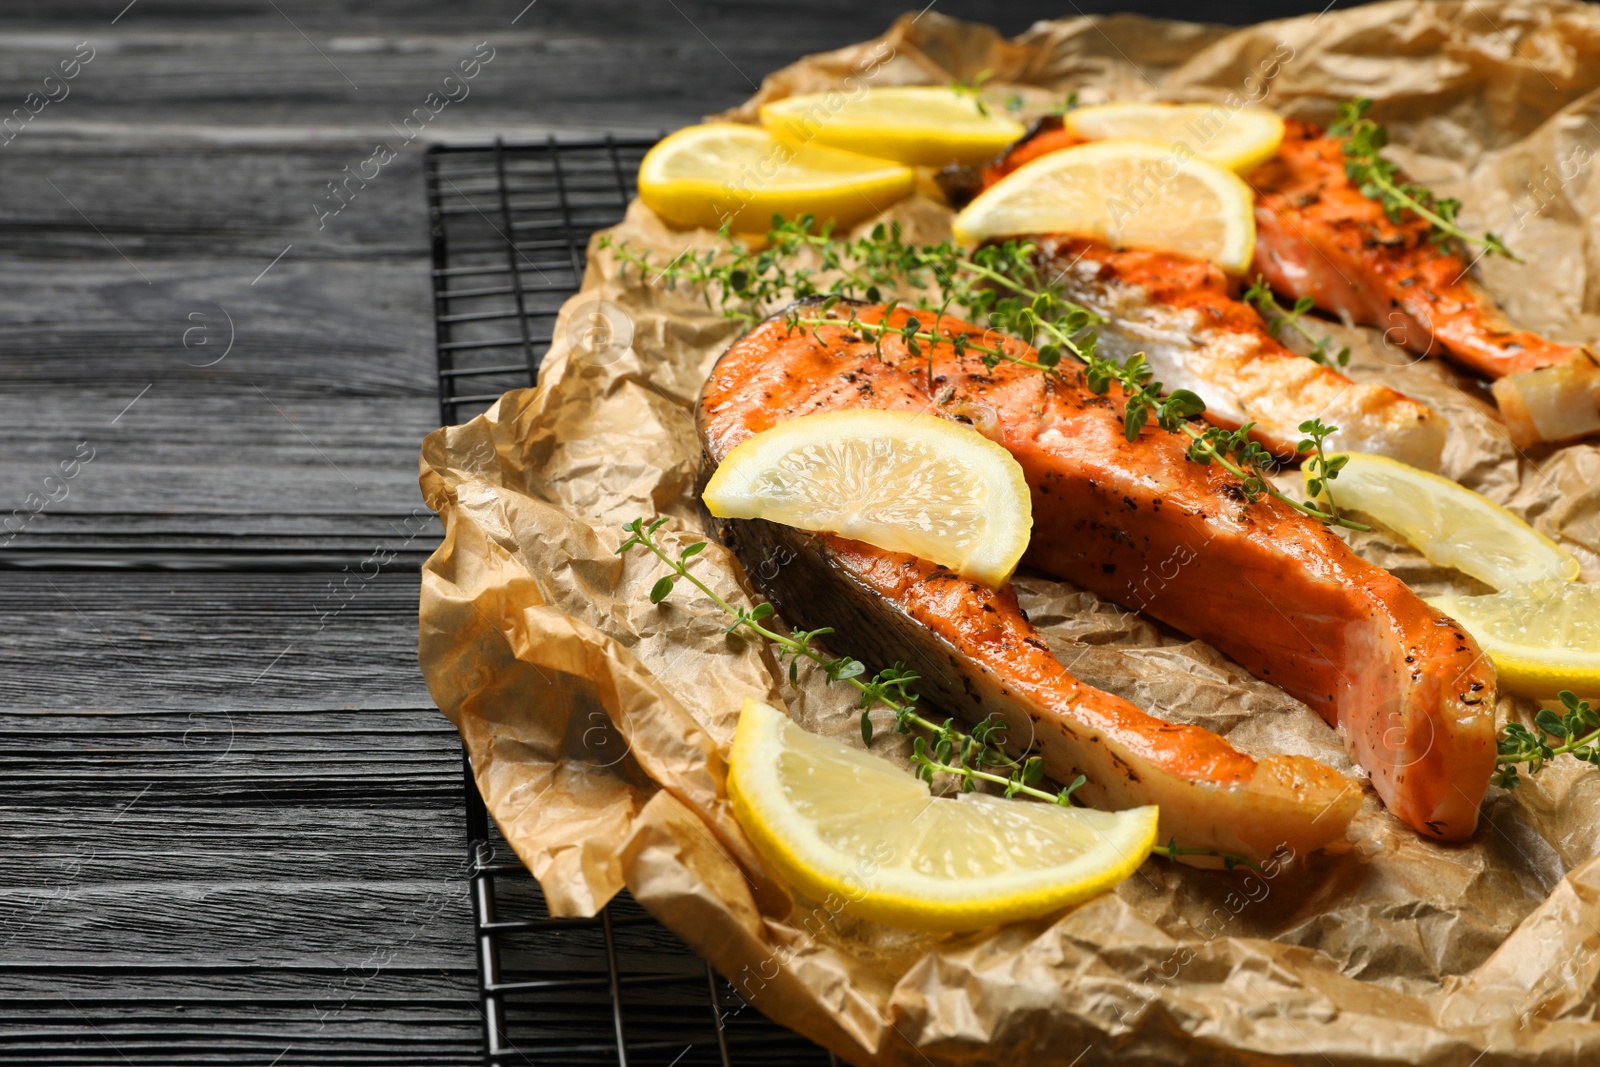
(1543, 637)
(924, 125)
(837, 821)
(1448, 523)
(1239, 139)
(909, 483)
(725, 172)
(1132, 194)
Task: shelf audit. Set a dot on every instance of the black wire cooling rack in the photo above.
(510, 224)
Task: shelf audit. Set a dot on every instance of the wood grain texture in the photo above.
(231, 824)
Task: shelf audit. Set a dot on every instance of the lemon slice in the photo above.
(925, 125)
(705, 175)
(834, 820)
(1132, 194)
(1542, 638)
(1239, 139)
(904, 482)
(1449, 523)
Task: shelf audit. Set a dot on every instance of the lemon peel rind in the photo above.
(862, 185)
(927, 126)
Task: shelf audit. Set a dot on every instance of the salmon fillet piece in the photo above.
(976, 653)
(1318, 236)
(1140, 524)
(1180, 314)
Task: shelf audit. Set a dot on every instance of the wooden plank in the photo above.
(608, 64)
(204, 203)
(308, 455)
(190, 542)
(210, 641)
(199, 920)
(350, 327)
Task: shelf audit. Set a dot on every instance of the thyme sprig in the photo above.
(971, 757)
(889, 688)
(1575, 733)
(746, 281)
(972, 89)
(1380, 180)
(1276, 316)
(998, 285)
(1322, 468)
(1066, 104)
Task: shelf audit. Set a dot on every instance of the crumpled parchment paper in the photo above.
(598, 724)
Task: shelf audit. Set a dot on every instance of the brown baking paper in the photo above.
(599, 724)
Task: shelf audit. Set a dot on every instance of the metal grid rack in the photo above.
(510, 225)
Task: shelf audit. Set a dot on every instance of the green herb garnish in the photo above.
(997, 285)
(972, 88)
(1380, 180)
(1575, 733)
(1276, 316)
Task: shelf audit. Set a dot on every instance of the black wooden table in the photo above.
(231, 822)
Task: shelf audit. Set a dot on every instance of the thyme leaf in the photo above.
(972, 88)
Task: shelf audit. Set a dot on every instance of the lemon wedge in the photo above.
(925, 125)
(1542, 638)
(907, 483)
(1131, 194)
(1237, 138)
(705, 175)
(836, 821)
(1448, 523)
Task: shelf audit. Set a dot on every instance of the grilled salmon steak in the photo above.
(1317, 235)
(1139, 523)
(975, 653)
(1178, 312)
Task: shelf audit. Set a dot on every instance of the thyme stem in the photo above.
(1260, 296)
(904, 709)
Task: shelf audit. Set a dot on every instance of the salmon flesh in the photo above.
(1139, 523)
(1179, 313)
(1319, 236)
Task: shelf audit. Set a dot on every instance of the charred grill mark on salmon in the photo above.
(1317, 235)
(1179, 313)
(1272, 588)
